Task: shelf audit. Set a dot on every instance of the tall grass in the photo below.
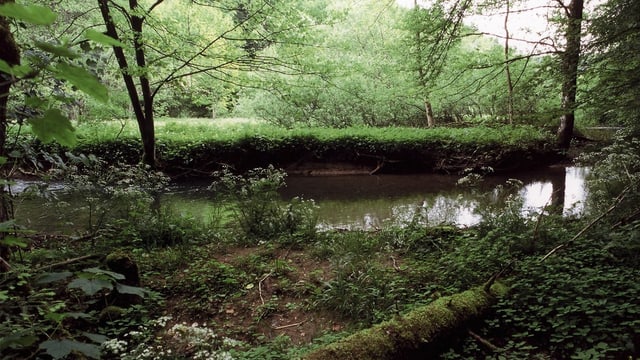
(194, 130)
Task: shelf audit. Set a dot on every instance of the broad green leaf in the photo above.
(83, 80)
(62, 51)
(97, 338)
(90, 286)
(53, 125)
(133, 290)
(34, 14)
(47, 278)
(35, 101)
(111, 274)
(3, 160)
(59, 349)
(101, 38)
(77, 315)
(7, 225)
(17, 341)
(55, 317)
(15, 70)
(14, 241)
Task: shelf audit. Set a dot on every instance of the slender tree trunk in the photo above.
(431, 122)
(570, 60)
(507, 68)
(422, 77)
(147, 130)
(142, 107)
(10, 53)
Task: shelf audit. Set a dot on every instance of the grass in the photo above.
(193, 130)
(200, 146)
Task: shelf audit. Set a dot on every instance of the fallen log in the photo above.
(401, 337)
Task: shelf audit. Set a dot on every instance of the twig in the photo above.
(395, 264)
(484, 342)
(4, 265)
(496, 276)
(288, 326)
(626, 219)
(616, 202)
(536, 231)
(67, 262)
(260, 285)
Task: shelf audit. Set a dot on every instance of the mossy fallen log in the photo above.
(401, 337)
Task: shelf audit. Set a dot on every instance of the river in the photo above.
(351, 202)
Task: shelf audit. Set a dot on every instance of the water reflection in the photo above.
(368, 202)
(363, 202)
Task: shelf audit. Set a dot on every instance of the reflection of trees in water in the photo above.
(456, 210)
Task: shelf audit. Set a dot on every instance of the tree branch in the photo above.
(615, 204)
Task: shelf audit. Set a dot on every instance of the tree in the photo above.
(48, 122)
(570, 59)
(245, 29)
(10, 55)
(614, 64)
(432, 33)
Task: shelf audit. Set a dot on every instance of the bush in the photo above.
(260, 213)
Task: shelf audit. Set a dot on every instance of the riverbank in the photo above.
(195, 149)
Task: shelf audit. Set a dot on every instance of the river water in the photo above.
(353, 202)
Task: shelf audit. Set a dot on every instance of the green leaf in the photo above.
(34, 14)
(15, 70)
(48, 278)
(111, 274)
(58, 349)
(77, 315)
(61, 51)
(90, 286)
(53, 125)
(97, 338)
(17, 341)
(83, 80)
(14, 241)
(133, 290)
(55, 317)
(7, 225)
(101, 38)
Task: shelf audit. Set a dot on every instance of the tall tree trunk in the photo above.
(147, 130)
(507, 68)
(422, 77)
(570, 59)
(431, 121)
(142, 107)
(11, 55)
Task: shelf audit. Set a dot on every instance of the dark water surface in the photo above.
(351, 202)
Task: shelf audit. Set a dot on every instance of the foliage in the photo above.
(55, 313)
(259, 210)
(54, 63)
(612, 97)
(616, 174)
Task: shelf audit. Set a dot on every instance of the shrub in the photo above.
(259, 211)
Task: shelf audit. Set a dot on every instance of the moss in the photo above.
(423, 326)
(122, 263)
(111, 313)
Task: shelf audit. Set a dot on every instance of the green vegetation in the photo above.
(199, 146)
(367, 82)
(288, 291)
